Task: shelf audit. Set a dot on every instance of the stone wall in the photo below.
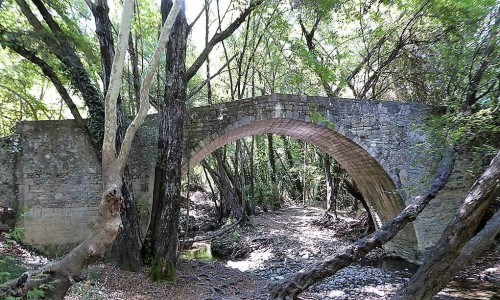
(9, 154)
(465, 172)
(60, 183)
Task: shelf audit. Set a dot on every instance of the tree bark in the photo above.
(127, 246)
(438, 269)
(217, 178)
(292, 286)
(353, 190)
(229, 191)
(478, 244)
(332, 189)
(170, 150)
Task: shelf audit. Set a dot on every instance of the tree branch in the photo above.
(202, 84)
(218, 37)
(110, 121)
(50, 73)
(190, 26)
(489, 50)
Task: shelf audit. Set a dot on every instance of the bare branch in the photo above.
(218, 37)
(489, 50)
(190, 26)
(90, 4)
(202, 84)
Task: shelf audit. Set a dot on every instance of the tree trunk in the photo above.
(241, 181)
(272, 162)
(438, 269)
(297, 184)
(251, 203)
(353, 190)
(304, 175)
(127, 247)
(292, 286)
(478, 244)
(217, 181)
(229, 191)
(331, 192)
(170, 149)
(63, 273)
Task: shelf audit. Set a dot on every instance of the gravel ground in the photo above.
(283, 242)
(278, 243)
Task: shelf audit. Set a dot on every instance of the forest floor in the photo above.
(269, 246)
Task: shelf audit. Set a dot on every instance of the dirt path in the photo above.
(282, 242)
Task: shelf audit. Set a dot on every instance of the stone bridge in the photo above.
(50, 169)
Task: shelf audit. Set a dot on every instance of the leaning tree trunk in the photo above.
(332, 185)
(229, 190)
(170, 149)
(478, 244)
(438, 268)
(292, 286)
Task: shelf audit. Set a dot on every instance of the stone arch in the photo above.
(373, 181)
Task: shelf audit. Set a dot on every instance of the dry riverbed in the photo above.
(275, 244)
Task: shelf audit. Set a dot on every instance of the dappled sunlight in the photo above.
(256, 260)
(290, 238)
(336, 293)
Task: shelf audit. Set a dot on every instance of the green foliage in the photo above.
(235, 236)
(88, 289)
(10, 268)
(318, 117)
(15, 235)
(35, 293)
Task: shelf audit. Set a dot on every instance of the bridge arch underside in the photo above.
(372, 180)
